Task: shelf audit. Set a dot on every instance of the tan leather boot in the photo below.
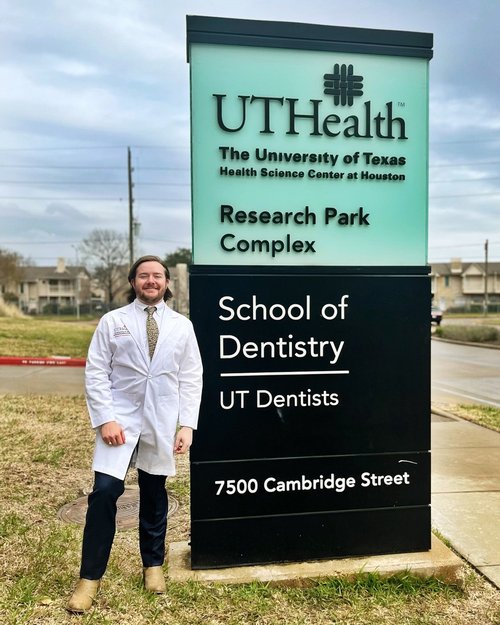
(83, 596)
(154, 580)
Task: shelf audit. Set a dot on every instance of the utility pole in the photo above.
(486, 277)
(130, 208)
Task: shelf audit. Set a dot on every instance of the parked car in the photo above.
(436, 315)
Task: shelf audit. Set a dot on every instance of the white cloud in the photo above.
(72, 67)
(469, 114)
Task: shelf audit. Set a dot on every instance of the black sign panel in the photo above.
(290, 538)
(309, 484)
(316, 403)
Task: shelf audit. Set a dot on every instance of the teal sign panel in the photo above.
(308, 157)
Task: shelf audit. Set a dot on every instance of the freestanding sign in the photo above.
(310, 292)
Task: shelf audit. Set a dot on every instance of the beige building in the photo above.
(54, 289)
(462, 286)
(63, 289)
(179, 285)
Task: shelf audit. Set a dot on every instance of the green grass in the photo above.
(11, 525)
(44, 338)
(48, 455)
(39, 554)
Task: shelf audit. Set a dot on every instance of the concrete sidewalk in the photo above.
(465, 469)
(466, 490)
(41, 380)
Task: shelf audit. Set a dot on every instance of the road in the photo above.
(461, 374)
(41, 380)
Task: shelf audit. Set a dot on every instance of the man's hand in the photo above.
(183, 440)
(112, 433)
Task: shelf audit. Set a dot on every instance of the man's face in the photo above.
(150, 282)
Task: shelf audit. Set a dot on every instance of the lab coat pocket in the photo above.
(169, 399)
(168, 407)
(125, 403)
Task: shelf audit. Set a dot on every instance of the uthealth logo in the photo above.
(292, 116)
(343, 85)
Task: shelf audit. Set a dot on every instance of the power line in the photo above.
(92, 199)
(94, 147)
(145, 168)
(153, 199)
(96, 167)
(183, 184)
(37, 242)
(460, 245)
(465, 164)
(439, 197)
(461, 180)
(186, 147)
(75, 182)
(100, 167)
(64, 149)
(494, 140)
(186, 184)
(96, 182)
(72, 241)
(65, 199)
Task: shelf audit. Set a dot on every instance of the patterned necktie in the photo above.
(151, 329)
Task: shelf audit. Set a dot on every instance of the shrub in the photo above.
(469, 334)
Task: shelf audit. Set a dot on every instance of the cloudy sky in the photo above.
(81, 81)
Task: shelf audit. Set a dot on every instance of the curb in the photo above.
(485, 345)
(54, 361)
(448, 415)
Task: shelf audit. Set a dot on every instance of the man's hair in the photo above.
(133, 271)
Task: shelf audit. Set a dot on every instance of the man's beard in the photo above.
(150, 299)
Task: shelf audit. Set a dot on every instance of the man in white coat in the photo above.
(143, 383)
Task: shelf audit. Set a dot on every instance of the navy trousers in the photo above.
(100, 523)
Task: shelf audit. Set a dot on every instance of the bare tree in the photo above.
(11, 273)
(106, 252)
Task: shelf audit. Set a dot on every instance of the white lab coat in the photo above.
(148, 398)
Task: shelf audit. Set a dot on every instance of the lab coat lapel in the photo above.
(131, 321)
(167, 325)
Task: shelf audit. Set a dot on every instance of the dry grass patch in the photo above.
(487, 416)
(45, 462)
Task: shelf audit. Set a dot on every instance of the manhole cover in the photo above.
(127, 515)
